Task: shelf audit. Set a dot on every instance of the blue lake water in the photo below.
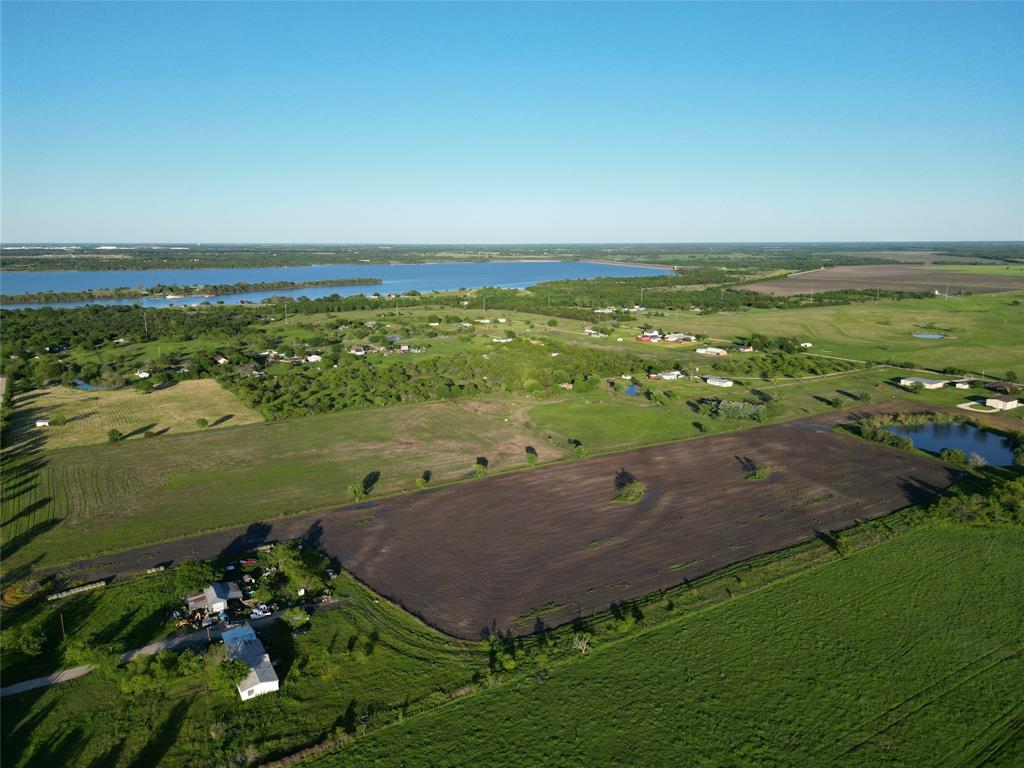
(397, 278)
(996, 450)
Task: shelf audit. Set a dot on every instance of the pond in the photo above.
(929, 336)
(396, 278)
(994, 449)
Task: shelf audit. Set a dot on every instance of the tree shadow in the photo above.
(748, 464)
(255, 535)
(531, 451)
(370, 480)
(829, 540)
(314, 535)
(140, 430)
(347, 721)
(163, 738)
(19, 541)
(426, 476)
(226, 417)
(623, 478)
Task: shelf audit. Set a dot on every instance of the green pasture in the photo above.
(62, 505)
(904, 654)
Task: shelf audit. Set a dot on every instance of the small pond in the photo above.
(995, 449)
(79, 384)
(929, 336)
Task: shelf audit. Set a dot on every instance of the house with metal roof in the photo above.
(242, 643)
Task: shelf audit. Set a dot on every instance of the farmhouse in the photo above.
(242, 643)
(712, 351)
(717, 381)
(669, 375)
(214, 598)
(1004, 387)
(1006, 403)
(909, 381)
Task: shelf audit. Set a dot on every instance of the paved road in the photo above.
(42, 682)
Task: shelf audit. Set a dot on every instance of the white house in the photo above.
(214, 598)
(717, 381)
(1002, 403)
(358, 351)
(679, 337)
(142, 374)
(713, 351)
(242, 643)
(670, 375)
(313, 358)
(909, 381)
(42, 422)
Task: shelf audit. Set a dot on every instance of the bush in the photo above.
(631, 492)
(761, 472)
(295, 617)
(114, 436)
(953, 456)
(356, 491)
(479, 469)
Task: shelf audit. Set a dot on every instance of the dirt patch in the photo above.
(497, 553)
(888, 277)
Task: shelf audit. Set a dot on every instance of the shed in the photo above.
(718, 381)
(712, 351)
(909, 381)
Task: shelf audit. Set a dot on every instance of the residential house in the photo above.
(242, 643)
(219, 359)
(679, 337)
(909, 381)
(313, 358)
(670, 375)
(1003, 387)
(717, 381)
(1005, 403)
(712, 351)
(358, 350)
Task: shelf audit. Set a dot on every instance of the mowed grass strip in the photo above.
(62, 505)
(90, 415)
(904, 654)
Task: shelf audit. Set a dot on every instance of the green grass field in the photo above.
(90, 415)
(905, 654)
(62, 505)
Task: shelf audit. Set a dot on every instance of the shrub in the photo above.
(114, 436)
(356, 491)
(631, 492)
(202, 423)
(761, 472)
(479, 469)
(953, 456)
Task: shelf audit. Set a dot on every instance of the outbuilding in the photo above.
(718, 381)
(712, 351)
(909, 381)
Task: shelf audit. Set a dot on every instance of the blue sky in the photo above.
(331, 122)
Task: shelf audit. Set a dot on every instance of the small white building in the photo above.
(219, 359)
(670, 375)
(313, 358)
(502, 320)
(677, 337)
(42, 422)
(1007, 403)
(242, 643)
(142, 374)
(806, 344)
(712, 351)
(717, 381)
(604, 311)
(501, 341)
(358, 351)
(744, 348)
(909, 381)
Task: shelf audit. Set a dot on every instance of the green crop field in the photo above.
(905, 654)
(90, 415)
(62, 505)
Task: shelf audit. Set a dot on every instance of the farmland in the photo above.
(904, 654)
(82, 418)
(129, 493)
(891, 277)
(550, 544)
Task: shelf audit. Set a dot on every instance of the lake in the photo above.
(397, 278)
(996, 450)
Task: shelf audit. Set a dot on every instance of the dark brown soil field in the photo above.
(493, 553)
(888, 277)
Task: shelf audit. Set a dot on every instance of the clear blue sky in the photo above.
(453, 123)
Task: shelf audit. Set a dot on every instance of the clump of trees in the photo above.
(628, 489)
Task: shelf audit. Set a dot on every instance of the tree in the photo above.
(202, 423)
(480, 469)
(1011, 376)
(226, 676)
(356, 491)
(114, 436)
